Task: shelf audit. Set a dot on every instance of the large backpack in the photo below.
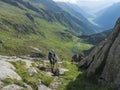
(57, 72)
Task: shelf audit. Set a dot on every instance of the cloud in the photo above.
(70, 1)
(78, 1)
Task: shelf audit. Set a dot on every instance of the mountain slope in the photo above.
(75, 11)
(72, 9)
(108, 17)
(95, 38)
(25, 24)
(79, 24)
(52, 12)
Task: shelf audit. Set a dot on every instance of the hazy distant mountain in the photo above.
(75, 8)
(107, 17)
(72, 9)
(77, 12)
(64, 17)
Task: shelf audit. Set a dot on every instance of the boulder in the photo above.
(12, 87)
(7, 71)
(36, 53)
(28, 87)
(1, 84)
(62, 71)
(42, 86)
(32, 71)
(7, 65)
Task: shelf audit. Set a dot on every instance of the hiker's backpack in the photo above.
(57, 72)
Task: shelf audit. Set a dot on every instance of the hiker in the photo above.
(77, 58)
(74, 58)
(80, 57)
(52, 58)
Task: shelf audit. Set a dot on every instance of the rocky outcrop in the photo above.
(104, 60)
(7, 71)
(1, 84)
(42, 86)
(32, 71)
(36, 53)
(12, 87)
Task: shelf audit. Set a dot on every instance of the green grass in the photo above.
(31, 80)
(41, 33)
(75, 79)
(84, 83)
(47, 38)
(68, 76)
(8, 81)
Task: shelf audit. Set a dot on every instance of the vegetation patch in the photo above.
(8, 81)
(31, 80)
(75, 79)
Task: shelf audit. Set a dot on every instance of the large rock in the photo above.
(62, 71)
(12, 87)
(7, 71)
(1, 84)
(28, 87)
(32, 71)
(104, 60)
(36, 53)
(42, 86)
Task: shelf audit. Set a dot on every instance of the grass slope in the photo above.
(22, 27)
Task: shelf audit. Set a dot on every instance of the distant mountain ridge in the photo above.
(96, 38)
(108, 17)
(52, 12)
(77, 12)
(65, 18)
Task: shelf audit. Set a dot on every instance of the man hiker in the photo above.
(52, 58)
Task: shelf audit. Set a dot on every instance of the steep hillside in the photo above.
(72, 9)
(79, 24)
(104, 61)
(25, 24)
(95, 38)
(106, 18)
(77, 12)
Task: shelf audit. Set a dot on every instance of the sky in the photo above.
(91, 6)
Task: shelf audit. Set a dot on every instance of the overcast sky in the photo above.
(91, 5)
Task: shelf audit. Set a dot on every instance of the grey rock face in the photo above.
(42, 86)
(104, 60)
(12, 87)
(1, 84)
(7, 71)
(32, 71)
(36, 53)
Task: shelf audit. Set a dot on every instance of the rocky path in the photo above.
(7, 70)
(55, 84)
